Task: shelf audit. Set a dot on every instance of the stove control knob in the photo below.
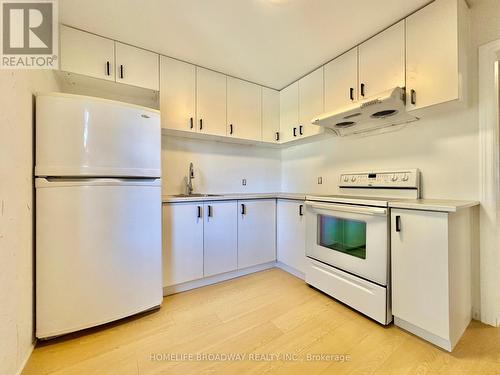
(353, 178)
(406, 177)
(346, 178)
(394, 177)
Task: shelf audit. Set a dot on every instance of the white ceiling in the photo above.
(270, 42)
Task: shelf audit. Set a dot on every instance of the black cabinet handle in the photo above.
(413, 97)
(362, 89)
(243, 209)
(230, 128)
(199, 212)
(201, 123)
(191, 124)
(351, 93)
(398, 223)
(300, 130)
(107, 68)
(277, 136)
(209, 211)
(301, 210)
(121, 71)
(294, 132)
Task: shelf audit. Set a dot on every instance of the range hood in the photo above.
(371, 114)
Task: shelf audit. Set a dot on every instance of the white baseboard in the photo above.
(172, 289)
(25, 360)
(295, 272)
(428, 336)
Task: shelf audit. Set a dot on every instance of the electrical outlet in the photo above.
(320, 180)
(244, 182)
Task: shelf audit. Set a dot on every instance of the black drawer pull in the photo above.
(201, 123)
(199, 212)
(301, 210)
(351, 93)
(362, 89)
(209, 211)
(191, 125)
(398, 223)
(243, 209)
(294, 132)
(413, 97)
(277, 136)
(107, 68)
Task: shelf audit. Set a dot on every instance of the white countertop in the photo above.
(442, 205)
(234, 196)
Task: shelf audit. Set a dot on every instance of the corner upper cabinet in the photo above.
(87, 54)
(289, 112)
(177, 94)
(244, 109)
(136, 67)
(341, 81)
(210, 102)
(270, 115)
(382, 62)
(436, 47)
(311, 102)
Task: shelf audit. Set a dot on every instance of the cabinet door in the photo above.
(432, 75)
(341, 81)
(210, 102)
(177, 94)
(270, 115)
(137, 67)
(256, 232)
(291, 234)
(244, 109)
(311, 102)
(419, 252)
(87, 54)
(220, 237)
(182, 243)
(289, 112)
(382, 62)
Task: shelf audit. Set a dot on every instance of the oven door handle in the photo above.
(365, 210)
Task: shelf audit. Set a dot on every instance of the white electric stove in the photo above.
(347, 238)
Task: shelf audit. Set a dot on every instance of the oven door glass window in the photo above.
(344, 235)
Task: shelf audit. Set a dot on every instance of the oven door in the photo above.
(349, 237)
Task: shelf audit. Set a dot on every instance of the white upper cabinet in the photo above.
(289, 112)
(220, 237)
(210, 102)
(177, 94)
(270, 115)
(311, 101)
(434, 59)
(382, 62)
(341, 81)
(244, 109)
(136, 67)
(87, 54)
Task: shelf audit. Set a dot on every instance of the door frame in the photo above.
(489, 177)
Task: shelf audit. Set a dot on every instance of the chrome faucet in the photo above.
(189, 180)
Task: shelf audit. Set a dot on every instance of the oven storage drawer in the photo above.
(364, 296)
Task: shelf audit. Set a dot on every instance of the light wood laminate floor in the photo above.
(266, 313)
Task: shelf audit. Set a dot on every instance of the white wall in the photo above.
(16, 213)
(444, 147)
(218, 167)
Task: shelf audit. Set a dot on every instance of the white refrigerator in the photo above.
(98, 212)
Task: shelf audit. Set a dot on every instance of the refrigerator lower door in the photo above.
(84, 136)
(98, 252)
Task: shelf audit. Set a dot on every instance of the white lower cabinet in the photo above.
(291, 234)
(182, 242)
(220, 237)
(256, 232)
(431, 273)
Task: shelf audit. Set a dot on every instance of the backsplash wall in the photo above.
(443, 147)
(218, 167)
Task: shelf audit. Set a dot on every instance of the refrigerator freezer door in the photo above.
(85, 136)
(98, 253)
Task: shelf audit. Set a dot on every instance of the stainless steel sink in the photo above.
(195, 195)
